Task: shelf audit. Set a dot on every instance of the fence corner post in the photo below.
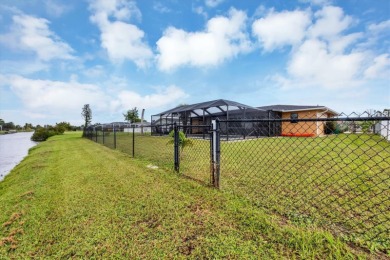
(176, 147)
(216, 154)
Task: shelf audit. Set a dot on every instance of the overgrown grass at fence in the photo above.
(195, 161)
(153, 148)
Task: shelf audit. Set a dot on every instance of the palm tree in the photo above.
(183, 141)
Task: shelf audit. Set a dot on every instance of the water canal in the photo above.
(13, 148)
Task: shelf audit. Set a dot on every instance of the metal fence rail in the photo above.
(331, 172)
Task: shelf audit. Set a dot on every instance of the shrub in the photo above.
(183, 141)
(367, 126)
(330, 127)
(41, 134)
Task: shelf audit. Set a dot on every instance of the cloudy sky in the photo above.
(56, 56)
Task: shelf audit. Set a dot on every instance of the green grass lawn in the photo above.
(73, 198)
(339, 182)
(342, 182)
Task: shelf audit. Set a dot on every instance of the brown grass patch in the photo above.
(27, 194)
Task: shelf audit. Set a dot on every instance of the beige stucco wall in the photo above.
(196, 130)
(316, 128)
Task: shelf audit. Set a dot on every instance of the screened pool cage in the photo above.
(195, 120)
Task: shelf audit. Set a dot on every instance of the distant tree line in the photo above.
(30, 127)
(6, 126)
(41, 133)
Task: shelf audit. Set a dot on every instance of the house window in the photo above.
(294, 118)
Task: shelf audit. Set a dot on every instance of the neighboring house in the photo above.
(383, 127)
(294, 113)
(138, 128)
(203, 113)
(123, 127)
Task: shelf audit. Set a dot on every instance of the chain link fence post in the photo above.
(103, 132)
(133, 148)
(176, 147)
(216, 153)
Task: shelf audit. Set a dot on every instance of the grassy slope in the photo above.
(71, 197)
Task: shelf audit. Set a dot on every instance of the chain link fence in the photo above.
(136, 141)
(331, 172)
(194, 153)
(334, 172)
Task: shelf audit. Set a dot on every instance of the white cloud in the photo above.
(376, 37)
(324, 55)
(213, 3)
(33, 34)
(379, 27)
(119, 9)
(325, 58)
(317, 2)
(59, 100)
(223, 38)
(340, 43)
(55, 8)
(200, 10)
(54, 97)
(121, 40)
(124, 41)
(159, 7)
(330, 22)
(380, 68)
(315, 64)
(94, 72)
(279, 29)
(260, 11)
(162, 98)
(24, 67)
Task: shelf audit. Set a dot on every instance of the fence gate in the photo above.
(195, 153)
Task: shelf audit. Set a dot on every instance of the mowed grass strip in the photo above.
(73, 198)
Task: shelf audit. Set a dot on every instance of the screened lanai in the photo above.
(201, 114)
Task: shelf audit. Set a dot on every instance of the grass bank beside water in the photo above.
(74, 198)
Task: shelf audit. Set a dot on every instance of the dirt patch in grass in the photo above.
(11, 239)
(27, 195)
